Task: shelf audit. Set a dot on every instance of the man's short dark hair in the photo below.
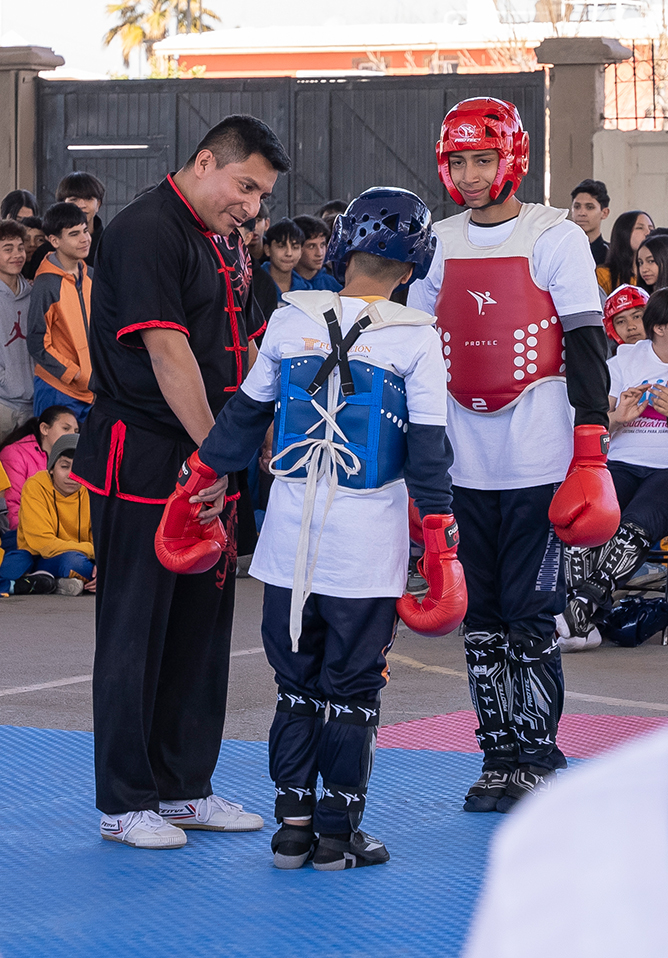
(286, 229)
(312, 226)
(62, 216)
(10, 229)
(32, 222)
(377, 267)
(84, 186)
(332, 206)
(656, 312)
(595, 188)
(236, 137)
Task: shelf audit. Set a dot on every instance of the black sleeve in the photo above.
(587, 375)
(238, 431)
(427, 469)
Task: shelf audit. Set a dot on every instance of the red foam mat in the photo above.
(580, 736)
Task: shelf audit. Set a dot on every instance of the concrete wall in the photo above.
(634, 167)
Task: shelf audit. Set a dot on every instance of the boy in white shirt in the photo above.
(356, 387)
(638, 462)
(519, 314)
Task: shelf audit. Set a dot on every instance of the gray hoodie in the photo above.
(16, 366)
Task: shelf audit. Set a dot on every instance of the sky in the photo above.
(74, 28)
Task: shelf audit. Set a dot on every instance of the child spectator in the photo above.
(283, 245)
(25, 452)
(264, 288)
(59, 315)
(638, 463)
(86, 192)
(629, 232)
(590, 205)
(330, 210)
(256, 242)
(15, 565)
(311, 265)
(16, 367)
(622, 315)
(54, 522)
(34, 239)
(653, 263)
(18, 204)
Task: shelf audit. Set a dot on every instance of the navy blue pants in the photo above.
(513, 564)
(643, 496)
(341, 661)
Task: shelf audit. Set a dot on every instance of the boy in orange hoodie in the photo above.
(59, 315)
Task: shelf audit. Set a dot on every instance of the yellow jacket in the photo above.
(50, 523)
(4, 484)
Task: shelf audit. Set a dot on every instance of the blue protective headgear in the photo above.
(635, 620)
(388, 222)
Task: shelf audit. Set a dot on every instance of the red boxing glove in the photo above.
(444, 605)
(584, 510)
(414, 523)
(182, 544)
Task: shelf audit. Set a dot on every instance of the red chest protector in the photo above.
(500, 331)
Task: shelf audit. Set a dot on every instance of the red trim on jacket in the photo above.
(114, 460)
(152, 324)
(259, 331)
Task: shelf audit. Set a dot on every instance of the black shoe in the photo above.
(416, 584)
(35, 583)
(334, 855)
(293, 846)
(484, 794)
(525, 780)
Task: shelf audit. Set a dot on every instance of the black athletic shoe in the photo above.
(293, 846)
(525, 780)
(334, 855)
(484, 794)
(35, 583)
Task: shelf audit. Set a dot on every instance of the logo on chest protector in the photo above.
(482, 299)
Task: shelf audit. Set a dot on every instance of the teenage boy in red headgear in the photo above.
(622, 315)
(520, 320)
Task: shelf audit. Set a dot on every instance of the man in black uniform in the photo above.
(172, 322)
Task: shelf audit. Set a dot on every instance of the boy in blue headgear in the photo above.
(356, 387)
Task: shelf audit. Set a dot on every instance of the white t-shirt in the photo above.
(582, 871)
(531, 443)
(364, 546)
(644, 441)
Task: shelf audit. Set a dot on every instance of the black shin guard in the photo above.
(293, 753)
(345, 758)
(618, 558)
(538, 698)
(491, 691)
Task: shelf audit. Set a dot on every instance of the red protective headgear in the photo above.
(485, 123)
(620, 299)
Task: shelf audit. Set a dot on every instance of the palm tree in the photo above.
(147, 21)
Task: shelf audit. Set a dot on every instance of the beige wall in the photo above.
(634, 167)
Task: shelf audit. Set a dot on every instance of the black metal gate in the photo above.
(344, 135)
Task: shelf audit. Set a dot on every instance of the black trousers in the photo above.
(161, 662)
(341, 662)
(643, 496)
(513, 562)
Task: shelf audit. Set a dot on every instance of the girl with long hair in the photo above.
(628, 234)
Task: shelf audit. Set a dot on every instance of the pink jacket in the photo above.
(21, 461)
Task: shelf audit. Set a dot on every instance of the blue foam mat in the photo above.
(66, 892)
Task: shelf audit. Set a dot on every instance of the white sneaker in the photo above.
(69, 586)
(576, 643)
(145, 829)
(214, 814)
(593, 639)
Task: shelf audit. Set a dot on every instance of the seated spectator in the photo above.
(629, 232)
(25, 452)
(623, 313)
(311, 265)
(264, 288)
(86, 192)
(18, 204)
(15, 565)
(283, 245)
(590, 205)
(256, 242)
(16, 368)
(34, 239)
(638, 463)
(54, 522)
(330, 210)
(653, 263)
(59, 315)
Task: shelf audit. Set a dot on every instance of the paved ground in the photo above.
(47, 640)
